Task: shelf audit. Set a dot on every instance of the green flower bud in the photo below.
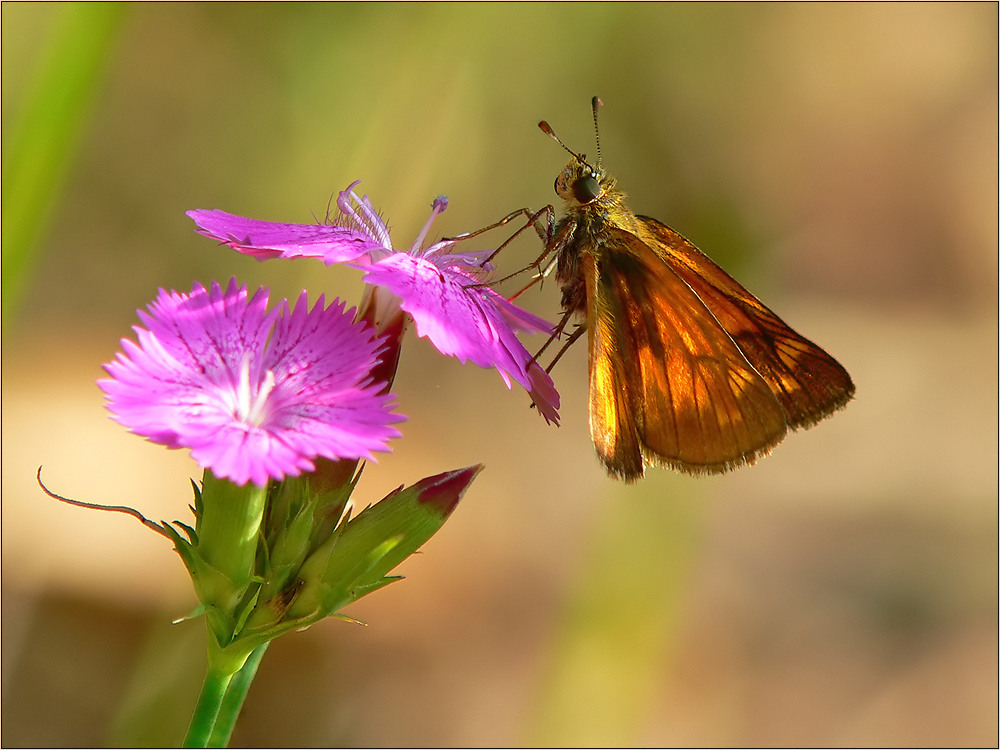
(357, 558)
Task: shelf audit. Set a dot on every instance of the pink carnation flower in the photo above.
(254, 395)
(443, 291)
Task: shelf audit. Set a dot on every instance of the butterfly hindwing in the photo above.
(667, 383)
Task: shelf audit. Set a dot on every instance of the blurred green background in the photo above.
(841, 160)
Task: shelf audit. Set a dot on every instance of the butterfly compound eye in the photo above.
(586, 189)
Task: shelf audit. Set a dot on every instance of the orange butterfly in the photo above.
(687, 368)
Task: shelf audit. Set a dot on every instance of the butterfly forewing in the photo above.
(809, 383)
(667, 383)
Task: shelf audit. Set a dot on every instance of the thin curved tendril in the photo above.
(96, 506)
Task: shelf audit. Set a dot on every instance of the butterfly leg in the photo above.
(540, 276)
(545, 234)
(581, 329)
(533, 221)
(533, 217)
(556, 333)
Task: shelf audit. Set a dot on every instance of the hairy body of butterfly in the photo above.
(687, 368)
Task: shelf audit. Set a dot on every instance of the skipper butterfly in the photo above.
(687, 368)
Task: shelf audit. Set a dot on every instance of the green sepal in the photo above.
(191, 533)
(298, 520)
(361, 591)
(246, 609)
(220, 552)
(228, 525)
(194, 614)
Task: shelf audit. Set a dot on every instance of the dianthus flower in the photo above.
(254, 395)
(443, 291)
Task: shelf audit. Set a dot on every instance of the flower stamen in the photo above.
(437, 208)
(251, 406)
(364, 216)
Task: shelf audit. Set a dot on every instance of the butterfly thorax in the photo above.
(592, 202)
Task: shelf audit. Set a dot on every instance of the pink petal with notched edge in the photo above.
(272, 239)
(544, 394)
(467, 320)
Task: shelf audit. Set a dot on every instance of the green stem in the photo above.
(206, 713)
(222, 566)
(232, 703)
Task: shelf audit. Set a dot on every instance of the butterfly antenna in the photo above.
(547, 129)
(595, 104)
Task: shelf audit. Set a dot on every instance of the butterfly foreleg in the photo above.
(532, 216)
(544, 232)
(548, 213)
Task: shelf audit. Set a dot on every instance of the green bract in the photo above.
(265, 562)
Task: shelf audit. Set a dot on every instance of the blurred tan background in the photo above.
(841, 160)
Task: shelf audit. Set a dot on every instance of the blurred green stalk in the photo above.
(620, 625)
(45, 132)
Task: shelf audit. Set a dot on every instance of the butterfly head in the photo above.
(581, 183)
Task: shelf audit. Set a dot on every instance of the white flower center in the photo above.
(250, 405)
